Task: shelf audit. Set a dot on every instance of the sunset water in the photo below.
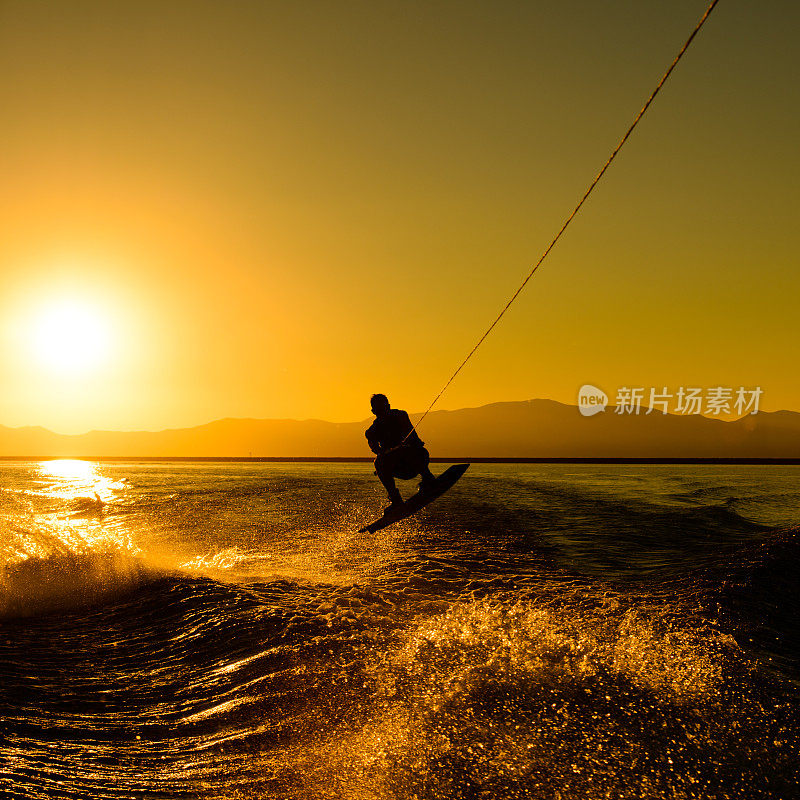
(219, 630)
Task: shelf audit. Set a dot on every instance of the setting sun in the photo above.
(70, 337)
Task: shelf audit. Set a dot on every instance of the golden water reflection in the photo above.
(73, 512)
(74, 479)
(65, 537)
(68, 469)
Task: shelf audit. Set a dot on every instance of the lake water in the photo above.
(219, 630)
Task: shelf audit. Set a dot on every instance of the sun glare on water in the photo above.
(68, 469)
(70, 337)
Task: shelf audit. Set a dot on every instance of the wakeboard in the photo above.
(419, 500)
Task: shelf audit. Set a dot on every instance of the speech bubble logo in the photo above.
(591, 400)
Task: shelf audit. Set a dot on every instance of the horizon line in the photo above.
(439, 459)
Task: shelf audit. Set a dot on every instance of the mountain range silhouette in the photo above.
(520, 429)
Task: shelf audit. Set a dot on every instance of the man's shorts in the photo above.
(404, 462)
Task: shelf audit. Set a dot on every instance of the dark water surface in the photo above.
(542, 631)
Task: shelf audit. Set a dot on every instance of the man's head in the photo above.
(379, 404)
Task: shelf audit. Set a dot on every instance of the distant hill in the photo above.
(526, 429)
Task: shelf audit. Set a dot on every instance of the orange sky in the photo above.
(276, 209)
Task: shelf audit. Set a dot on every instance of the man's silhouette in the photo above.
(400, 452)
